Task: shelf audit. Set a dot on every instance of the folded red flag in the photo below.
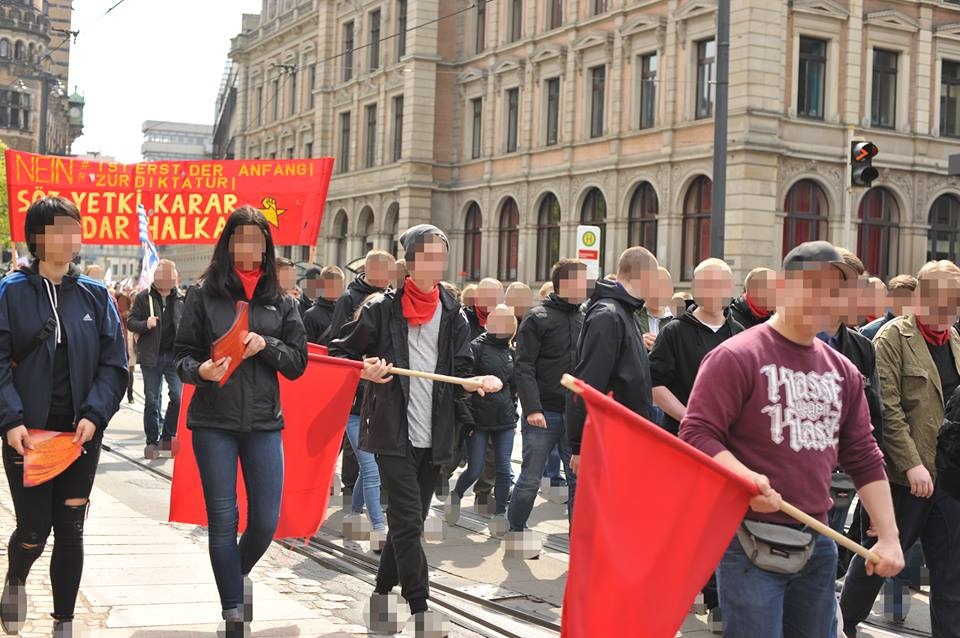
(651, 521)
(315, 409)
(231, 343)
(52, 454)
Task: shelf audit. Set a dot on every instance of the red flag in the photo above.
(315, 409)
(651, 521)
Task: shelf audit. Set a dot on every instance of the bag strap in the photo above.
(49, 327)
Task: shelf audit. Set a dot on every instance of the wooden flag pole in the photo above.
(432, 376)
(570, 382)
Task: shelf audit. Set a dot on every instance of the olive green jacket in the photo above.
(912, 396)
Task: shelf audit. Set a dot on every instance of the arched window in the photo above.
(509, 241)
(943, 238)
(391, 228)
(644, 208)
(697, 206)
(877, 235)
(548, 236)
(4, 48)
(806, 208)
(365, 229)
(340, 238)
(472, 243)
(594, 213)
(18, 50)
(30, 54)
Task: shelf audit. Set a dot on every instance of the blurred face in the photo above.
(469, 297)
(489, 295)
(573, 286)
(287, 277)
(312, 287)
(520, 299)
(430, 260)
(380, 271)
(663, 292)
(762, 290)
(939, 300)
(501, 324)
(810, 299)
(96, 272)
(165, 279)
(247, 247)
(901, 301)
(332, 288)
(713, 289)
(60, 241)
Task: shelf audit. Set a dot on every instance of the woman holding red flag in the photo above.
(63, 368)
(236, 415)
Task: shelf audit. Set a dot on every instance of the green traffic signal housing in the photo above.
(861, 163)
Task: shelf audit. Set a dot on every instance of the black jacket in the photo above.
(497, 411)
(304, 304)
(347, 305)
(546, 350)
(475, 328)
(317, 320)
(676, 356)
(948, 448)
(610, 356)
(97, 353)
(860, 351)
(381, 331)
(742, 314)
(148, 345)
(250, 399)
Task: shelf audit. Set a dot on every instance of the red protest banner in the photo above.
(188, 202)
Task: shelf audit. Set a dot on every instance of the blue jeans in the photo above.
(552, 470)
(761, 604)
(367, 488)
(476, 454)
(537, 443)
(261, 456)
(153, 378)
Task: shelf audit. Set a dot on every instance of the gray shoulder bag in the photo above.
(775, 548)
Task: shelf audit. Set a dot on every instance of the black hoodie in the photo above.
(317, 319)
(676, 356)
(347, 305)
(496, 411)
(546, 350)
(610, 356)
(740, 310)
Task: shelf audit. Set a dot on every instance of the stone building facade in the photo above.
(510, 122)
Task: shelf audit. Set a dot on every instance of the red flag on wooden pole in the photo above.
(651, 521)
(315, 409)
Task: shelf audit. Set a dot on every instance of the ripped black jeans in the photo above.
(60, 505)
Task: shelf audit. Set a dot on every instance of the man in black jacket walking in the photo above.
(317, 319)
(155, 316)
(546, 350)
(611, 355)
(755, 305)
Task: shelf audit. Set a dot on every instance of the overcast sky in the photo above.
(148, 60)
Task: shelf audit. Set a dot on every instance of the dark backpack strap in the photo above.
(48, 329)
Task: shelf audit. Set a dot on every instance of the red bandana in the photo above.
(758, 312)
(932, 337)
(249, 279)
(419, 306)
(482, 314)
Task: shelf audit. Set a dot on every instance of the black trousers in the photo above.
(935, 521)
(409, 481)
(349, 467)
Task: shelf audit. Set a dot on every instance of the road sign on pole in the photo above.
(588, 249)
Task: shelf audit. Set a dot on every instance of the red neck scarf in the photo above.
(933, 337)
(249, 279)
(758, 312)
(482, 314)
(419, 306)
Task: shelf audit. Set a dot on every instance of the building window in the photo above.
(366, 229)
(259, 106)
(343, 160)
(397, 151)
(340, 238)
(555, 17)
(598, 78)
(642, 225)
(706, 76)
(943, 238)
(811, 78)
(697, 206)
(348, 51)
(884, 98)
(392, 227)
(648, 90)
(275, 105)
(509, 244)
(516, 20)
(308, 150)
(598, 7)
(371, 135)
(374, 39)
(877, 235)
(292, 109)
(472, 243)
(950, 99)
(553, 111)
(18, 50)
(594, 213)
(4, 48)
(513, 116)
(806, 211)
(311, 85)
(14, 110)
(480, 39)
(548, 236)
(401, 29)
(476, 139)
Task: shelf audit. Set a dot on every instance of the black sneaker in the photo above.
(248, 598)
(234, 624)
(13, 607)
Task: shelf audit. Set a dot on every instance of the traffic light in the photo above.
(861, 163)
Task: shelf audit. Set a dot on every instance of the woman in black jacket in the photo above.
(242, 419)
(494, 415)
(63, 368)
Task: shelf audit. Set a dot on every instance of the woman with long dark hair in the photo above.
(63, 368)
(242, 419)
